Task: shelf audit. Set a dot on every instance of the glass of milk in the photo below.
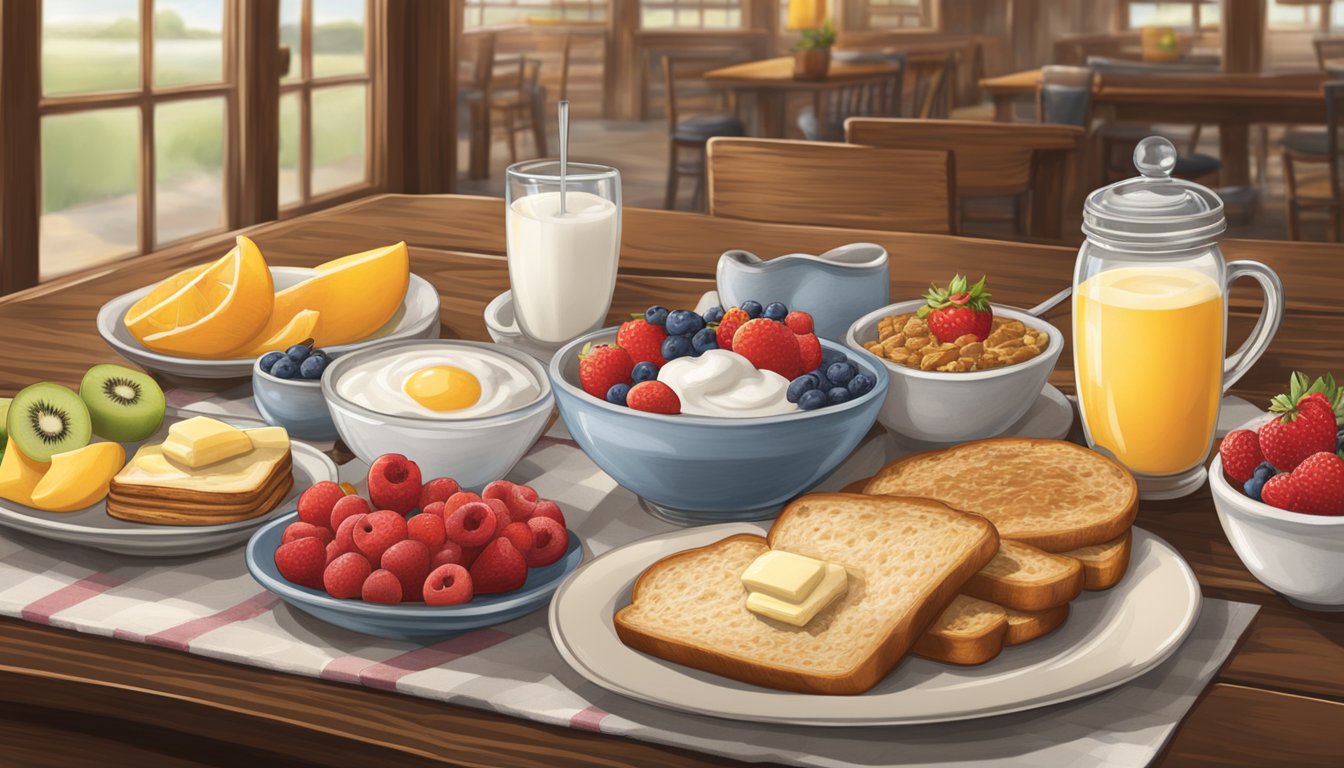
(562, 264)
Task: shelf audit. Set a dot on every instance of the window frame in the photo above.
(698, 7)
(144, 98)
(1198, 23)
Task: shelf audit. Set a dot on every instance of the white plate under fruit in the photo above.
(93, 527)
(417, 318)
(1110, 638)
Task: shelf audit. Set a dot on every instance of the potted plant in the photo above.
(812, 55)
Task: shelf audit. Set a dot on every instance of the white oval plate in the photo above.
(93, 527)
(1110, 638)
(418, 318)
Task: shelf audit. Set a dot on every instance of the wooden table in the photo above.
(1233, 102)
(70, 699)
(767, 85)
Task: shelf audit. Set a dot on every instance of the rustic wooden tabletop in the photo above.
(1279, 699)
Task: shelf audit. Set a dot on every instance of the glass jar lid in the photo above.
(1154, 210)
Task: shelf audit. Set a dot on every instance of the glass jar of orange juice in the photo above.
(1150, 322)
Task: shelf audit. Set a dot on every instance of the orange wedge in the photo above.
(155, 312)
(215, 312)
(300, 328)
(355, 295)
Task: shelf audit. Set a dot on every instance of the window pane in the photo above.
(291, 21)
(188, 41)
(90, 162)
(289, 149)
(338, 137)
(188, 167)
(338, 37)
(90, 45)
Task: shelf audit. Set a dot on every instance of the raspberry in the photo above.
(472, 524)
(520, 534)
(394, 483)
(300, 530)
(799, 322)
(381, 587)
(346, 508)
(451, 552)
(451, 504)
(378, 531)
(809, 351)
(344, 576)
(499, 568)
(345, 535)
(502, 516)
(409, 561)
(302, 561)
(522, 501)
(549, 541)
(316, 503)
(438, 489)
(428, 527)
(548, 508)
(449, 584)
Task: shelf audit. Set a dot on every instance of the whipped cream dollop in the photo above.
(723, 383)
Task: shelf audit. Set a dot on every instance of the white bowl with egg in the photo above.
(461, 409)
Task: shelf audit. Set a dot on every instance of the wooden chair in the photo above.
(688, 134)
(833, 185)
(880, 98)
(474, 93)
(1323, 193)
(1329, 52)
(1024, 161)
(934, 78)
(1311, 145)
(512, 98)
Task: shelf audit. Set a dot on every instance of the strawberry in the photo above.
(799, 322)
(653, 397)
(345, 575)
(601, 367)
(809, 351)
(302, 561)
(732, 320)
(770, 346)
(1241, 454)
(1280, 491)
(1319, 482)
(499, 568)
(957, 310)
(1307, 422)
(643, 341)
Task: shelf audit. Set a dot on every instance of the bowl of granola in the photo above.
(967, 387)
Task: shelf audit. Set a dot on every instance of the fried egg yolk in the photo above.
(443, 388)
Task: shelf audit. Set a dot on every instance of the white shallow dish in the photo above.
(418, 318)
(1110, 638)
(93, 527)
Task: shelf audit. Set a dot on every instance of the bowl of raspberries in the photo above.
(1278, 486)
(716, 416)
(411, 559)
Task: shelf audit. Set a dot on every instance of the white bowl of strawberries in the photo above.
(415, 560)
(1278, 486)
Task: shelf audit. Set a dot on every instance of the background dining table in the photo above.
(1279, 698)
(1232, 101)
(768, 83)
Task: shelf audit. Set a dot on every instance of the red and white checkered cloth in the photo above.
(210, 606)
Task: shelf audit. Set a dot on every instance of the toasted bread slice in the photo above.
(1023, 577)
(906, 559)
(971, 631)
(1051, 494)
(1104, 564)
(1024, 626)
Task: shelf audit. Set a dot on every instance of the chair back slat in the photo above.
(1334, 128)
(831, 184)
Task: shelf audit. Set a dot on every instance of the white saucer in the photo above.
(502, 324)
(1049, 418)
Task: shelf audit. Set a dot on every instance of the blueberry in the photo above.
(830, 357)
(656, 315)
(775, 311)
(838, 395)
(313, 366)
(822, 381)
(268, 360)
(800, 386)
(861, 385)
(840, 373)
(298, 352)
(713, 314)
(1339, 441)
(752, 308)
(704, 340)
(617, 393)
(1253, 487)
(684, 322)
(285, 368)
(1265, 471)
(645, 371)
(812, 399)
(675, 346)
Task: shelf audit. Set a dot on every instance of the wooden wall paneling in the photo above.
(621, 70)
(1243, 23)
(256, 197)
(415, 122)
(20, 158)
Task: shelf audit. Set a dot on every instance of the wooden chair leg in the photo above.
(670, 197)
(1290, 198)
(512, 131)
(539, 132)
(698, 203)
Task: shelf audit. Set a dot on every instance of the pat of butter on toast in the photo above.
(834, 580)
(202, 441)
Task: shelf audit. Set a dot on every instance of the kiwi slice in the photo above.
(125, 405)
(46, 419)
(4, 432)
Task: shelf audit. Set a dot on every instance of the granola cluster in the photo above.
(906, 340)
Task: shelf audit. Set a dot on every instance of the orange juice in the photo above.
(1148, 352)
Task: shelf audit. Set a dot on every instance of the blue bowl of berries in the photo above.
(716, 418)
(287, 390)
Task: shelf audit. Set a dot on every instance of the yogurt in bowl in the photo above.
(724, 383)
(462, 409)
